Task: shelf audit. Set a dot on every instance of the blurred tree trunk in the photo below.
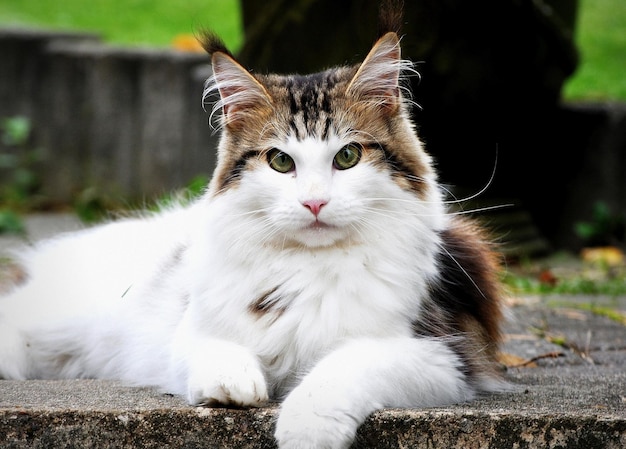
(306, 35)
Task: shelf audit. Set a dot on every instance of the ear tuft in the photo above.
(212, 43)
(390, 16)
(377, 80)
(240, 92)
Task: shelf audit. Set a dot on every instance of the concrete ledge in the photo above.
(546, 413)
(104, 414)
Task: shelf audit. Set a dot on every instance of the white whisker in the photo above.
(483, 189)
(444, 249)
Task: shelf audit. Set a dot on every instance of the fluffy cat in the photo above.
(320, 268)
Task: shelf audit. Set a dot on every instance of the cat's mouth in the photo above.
(318, 225)
(318, 234)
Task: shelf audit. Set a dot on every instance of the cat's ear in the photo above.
(377, 80)
(241, 94)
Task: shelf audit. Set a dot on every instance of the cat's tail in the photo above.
(34, 343)
(13, 359)
(51, 351)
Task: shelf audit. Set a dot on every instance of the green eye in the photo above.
(347, 157)
(279, 161)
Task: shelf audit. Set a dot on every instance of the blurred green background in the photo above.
(129, 22)
(600, 34)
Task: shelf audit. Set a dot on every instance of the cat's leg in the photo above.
(212, 371)
(362, 376)
(225, 373)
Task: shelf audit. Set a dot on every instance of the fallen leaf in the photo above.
(547, 277)
(609, 255)
(513, 361)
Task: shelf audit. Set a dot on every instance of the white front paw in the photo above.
(303, 424)
(241, 385)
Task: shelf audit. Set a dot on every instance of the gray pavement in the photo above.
(573, 395)
(40, 226)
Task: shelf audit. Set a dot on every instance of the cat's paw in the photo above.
(305, 423)
(242, 385)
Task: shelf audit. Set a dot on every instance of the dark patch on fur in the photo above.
(399, 168)
(234, 173)
(293, 104)
(327, 124)
(12, 275)
(266, 304)
(294, 128)
(464, 302)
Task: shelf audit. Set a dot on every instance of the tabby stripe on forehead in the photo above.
(309, 105)
(326, 128)
(235, 172)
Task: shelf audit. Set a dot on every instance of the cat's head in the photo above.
(325, 158)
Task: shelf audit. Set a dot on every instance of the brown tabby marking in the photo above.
(266, 304)
(465, 299)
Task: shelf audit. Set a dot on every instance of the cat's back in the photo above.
(96, 266)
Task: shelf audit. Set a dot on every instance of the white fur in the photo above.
(165, 300)
(361, 376)
(246, 295)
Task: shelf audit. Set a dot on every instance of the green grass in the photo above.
(129, 22)
(563, 273)
(601, 39)
(601, 31)
(578, 284)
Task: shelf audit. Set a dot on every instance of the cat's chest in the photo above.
(333, 279)
(302, 304)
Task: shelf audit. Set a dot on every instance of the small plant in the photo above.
(92, 205)
(184, 196)
(566, 274)
(11, 222)
(605, 228)
(19, 182)
(22, 182)
(579, 284)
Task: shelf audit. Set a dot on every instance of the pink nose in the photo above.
(314, 206)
